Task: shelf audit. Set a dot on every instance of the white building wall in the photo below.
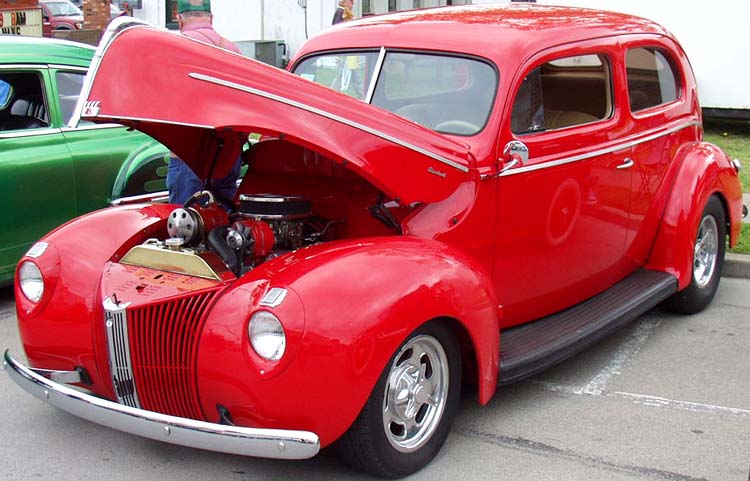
(712, 34)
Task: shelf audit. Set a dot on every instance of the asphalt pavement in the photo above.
(666, 398)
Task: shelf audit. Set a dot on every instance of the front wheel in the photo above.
(708, 261)
(409, 413)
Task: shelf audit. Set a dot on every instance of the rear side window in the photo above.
(562, 93)
(652, 78)
(69, 86)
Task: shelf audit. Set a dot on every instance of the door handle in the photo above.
(627, 163)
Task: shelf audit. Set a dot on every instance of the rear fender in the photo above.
(143, 173)
(705, 170)
(355, 303)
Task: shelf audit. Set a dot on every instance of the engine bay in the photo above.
(280, 206)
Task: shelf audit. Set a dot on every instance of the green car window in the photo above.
(69, 86)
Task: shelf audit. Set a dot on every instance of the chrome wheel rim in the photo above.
(416, 393)
(706, 251)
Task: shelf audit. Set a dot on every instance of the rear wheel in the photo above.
(708, 260)
(410, 411)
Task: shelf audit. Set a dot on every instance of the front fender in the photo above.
(57, 332)
(354, 303)
(705, 170)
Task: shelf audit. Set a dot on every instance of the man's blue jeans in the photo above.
(182, 182)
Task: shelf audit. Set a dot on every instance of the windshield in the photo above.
(445, 93)
(59, 9)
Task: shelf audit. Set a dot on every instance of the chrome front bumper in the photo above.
(265, 443)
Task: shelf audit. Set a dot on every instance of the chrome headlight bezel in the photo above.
(31, 281)
(267, 335)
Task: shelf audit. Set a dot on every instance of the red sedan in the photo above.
(420, 213)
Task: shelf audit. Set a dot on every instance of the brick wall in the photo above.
(95, 14)
(18, 3)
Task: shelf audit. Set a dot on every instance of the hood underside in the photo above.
(202, 102)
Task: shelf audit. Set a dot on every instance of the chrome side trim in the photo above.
(121, 367)
(596, 153)
(267, 443)
(328, 115)
(161, 197)
(14, 134)
(375, 76)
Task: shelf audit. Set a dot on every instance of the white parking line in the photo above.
(598, 384)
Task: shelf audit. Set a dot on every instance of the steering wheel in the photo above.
(457, 127)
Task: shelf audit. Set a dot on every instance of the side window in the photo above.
(24, 106)
(69, 86)
(563, 93)
(652, 79)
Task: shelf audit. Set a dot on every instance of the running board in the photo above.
(529, 348)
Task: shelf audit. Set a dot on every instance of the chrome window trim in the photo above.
(596, 153)
(375, 75)
(74, 68)
(25, 66)
(66, 128)
(328, 115)
(267, 443)
(14, 134)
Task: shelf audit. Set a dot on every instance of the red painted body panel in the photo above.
(460, 241)
(66, 329)
(341, 331)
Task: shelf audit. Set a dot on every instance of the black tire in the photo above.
(371, 446)
(706, 274)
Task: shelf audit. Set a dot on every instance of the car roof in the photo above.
(490, 31)
(19, 50)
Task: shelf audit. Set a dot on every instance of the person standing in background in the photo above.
(343, 12)
(195, 20)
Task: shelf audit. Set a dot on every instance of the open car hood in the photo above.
(202, 102)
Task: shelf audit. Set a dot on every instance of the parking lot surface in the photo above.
(666, 398)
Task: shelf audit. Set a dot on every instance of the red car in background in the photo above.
(419, 214)
(60, 15)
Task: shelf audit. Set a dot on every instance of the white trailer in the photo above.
(714, 38)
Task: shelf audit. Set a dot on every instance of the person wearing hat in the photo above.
(195, 21)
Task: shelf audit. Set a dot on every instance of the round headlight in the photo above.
(267, 335)
(31, 281)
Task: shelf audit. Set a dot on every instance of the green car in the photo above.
(51, 172)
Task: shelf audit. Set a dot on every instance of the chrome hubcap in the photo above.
(416, 393)
(706, 251)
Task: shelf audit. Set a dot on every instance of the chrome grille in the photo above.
(121, 367)
(153, 351)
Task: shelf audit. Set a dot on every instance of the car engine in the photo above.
(264, 226)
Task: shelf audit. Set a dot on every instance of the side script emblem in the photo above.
(437, 172)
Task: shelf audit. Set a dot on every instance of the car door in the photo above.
(36, 176)
(662, 122)
(564, 192)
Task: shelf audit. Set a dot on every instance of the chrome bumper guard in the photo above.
(265, 443)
